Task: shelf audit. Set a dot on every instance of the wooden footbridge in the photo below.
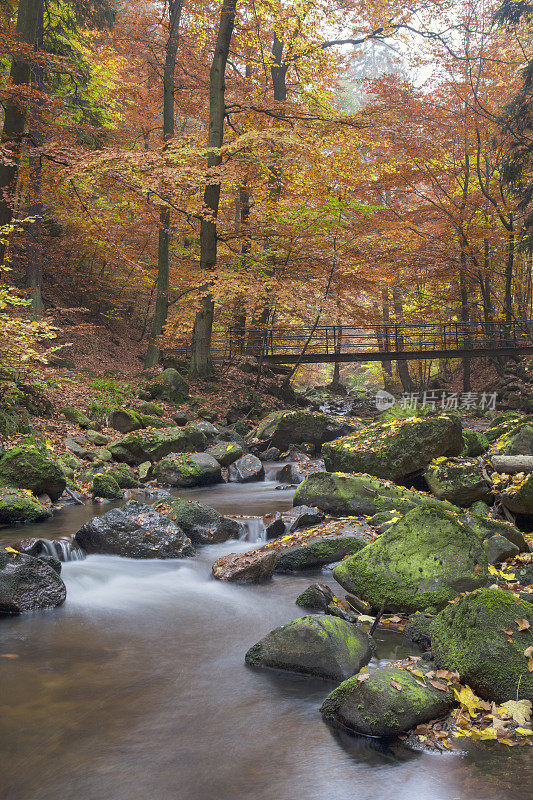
(329, 343)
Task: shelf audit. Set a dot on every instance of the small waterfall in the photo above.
(253, 529)
(62, 549)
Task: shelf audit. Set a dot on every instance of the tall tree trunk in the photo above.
(201, 363)
(386, 366)
(465, 316)
(509, 271)
(34, 249)
(161, 301)
(15, 113)
(402, 366)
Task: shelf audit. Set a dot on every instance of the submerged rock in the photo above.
(20, 505)
(202, 524)
(184, 469)
(395, 449)
(471, 637)
(134, 531)
(317, 597)
(29, 468)
(325, 646)
(422, 562)
(387, 703)
(28, 583)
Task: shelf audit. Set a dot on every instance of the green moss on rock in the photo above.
(423, 561)
(475, 443)
(376, 707)
(20, 505)
(396, 449)
(30, 468)
(470, 637)
(104, 485)
(458, 480)
(325, 646)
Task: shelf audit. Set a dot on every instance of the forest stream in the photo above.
(136, 689)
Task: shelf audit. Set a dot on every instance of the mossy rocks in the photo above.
(202, 524)
(518, 442)
(389, 702)
(75, 416)
(319, 550)
(517, 495)
(342, 494)
(20, 505)
(475, 443)
(483, 637)
(247, 469)
(28, 584)
(285, 428)
(139, 446)
(396, 449)
(134, 531)
(125, 420)
(324, 646)
(187, 469)
(168, 386)
(29, 468)
(123, 475)
(486, 528)
(420, 563)
(105, 486)
(458, 480)
(225, 452)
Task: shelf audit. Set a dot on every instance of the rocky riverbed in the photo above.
(413, 622)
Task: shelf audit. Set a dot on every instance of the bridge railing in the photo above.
(331, 340)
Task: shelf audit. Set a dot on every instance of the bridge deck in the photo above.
(359, 343)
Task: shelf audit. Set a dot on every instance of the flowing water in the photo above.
(136, 689)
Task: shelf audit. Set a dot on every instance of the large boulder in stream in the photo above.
(324, 646)
(247, 469)
(395, 449)
(420, 563)
(188, 469)
(486, 637)
(202, 524)
(341, 494)
(226, 452)
(285, 428)
(140, 446)
(28, 584)
(390, 701)
(250, 567)
(134, 531)
(20, 505)
(459, 480)
(30, 468)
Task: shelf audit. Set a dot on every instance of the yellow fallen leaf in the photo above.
(524, 731)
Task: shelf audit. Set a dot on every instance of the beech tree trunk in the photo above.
(34, 249)
(161, 301)
(402, 366)
(15, 114)
(201, 362)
